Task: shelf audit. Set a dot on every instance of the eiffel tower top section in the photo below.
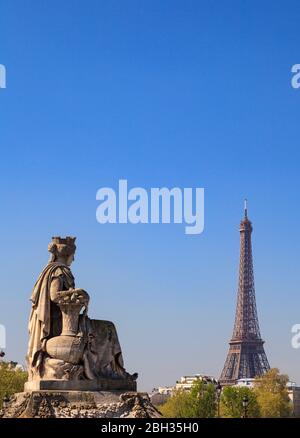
(246, 325)
(245, 223)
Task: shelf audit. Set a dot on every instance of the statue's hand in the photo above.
(80, 296)
(71, 296)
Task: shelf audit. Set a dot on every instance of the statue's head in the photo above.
(62, 249)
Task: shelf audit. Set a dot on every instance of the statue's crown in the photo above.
(68, 240)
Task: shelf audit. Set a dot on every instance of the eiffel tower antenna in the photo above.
(246, 356)
(246, 207)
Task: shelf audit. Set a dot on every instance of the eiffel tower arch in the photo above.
(246, 357)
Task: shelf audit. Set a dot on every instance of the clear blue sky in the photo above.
(162, 93)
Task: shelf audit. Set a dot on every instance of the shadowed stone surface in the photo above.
(101, 384)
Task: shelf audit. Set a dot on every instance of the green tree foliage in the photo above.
(203, 400)
(200, 402)
(11, 380)
(272, 394)
(232, 402)
(177, 406)
(268, 398)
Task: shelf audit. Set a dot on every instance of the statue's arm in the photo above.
(56, 287)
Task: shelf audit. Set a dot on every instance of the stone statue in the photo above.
(66, 348)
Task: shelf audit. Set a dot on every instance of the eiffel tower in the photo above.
(246, 356)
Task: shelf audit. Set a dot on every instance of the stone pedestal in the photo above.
(80, 404)
(101, 384)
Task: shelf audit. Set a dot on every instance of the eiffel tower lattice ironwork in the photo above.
(246, 357)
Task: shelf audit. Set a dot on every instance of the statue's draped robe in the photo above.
(102, 357)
